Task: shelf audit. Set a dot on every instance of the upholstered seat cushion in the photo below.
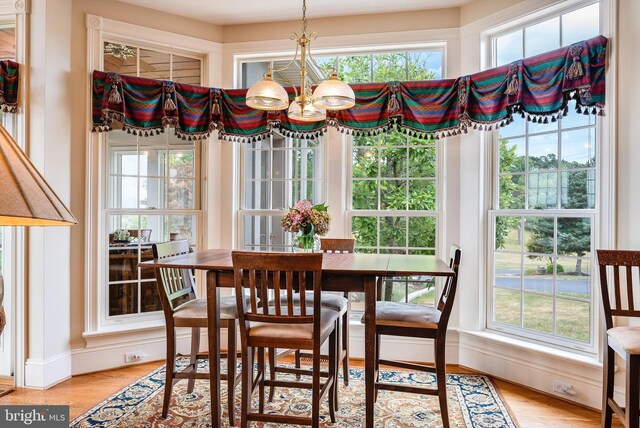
(293, 331)
(196, 309)
(406, 315)
(333, 301)
(626, 338)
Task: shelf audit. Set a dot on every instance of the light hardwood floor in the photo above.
(530, 408)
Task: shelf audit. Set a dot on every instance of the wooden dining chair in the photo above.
(619, 300)
(332, 301)
(340, 245)
(287, 324)
(183, 308)
(411, 320)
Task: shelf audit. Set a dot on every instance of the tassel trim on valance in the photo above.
(538, 89)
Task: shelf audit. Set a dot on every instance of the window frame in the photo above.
(109, 211)
(334, 141)
(99, 30)
(598, 232)
(243, 213)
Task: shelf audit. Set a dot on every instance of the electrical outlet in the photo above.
(133, 357)
(563, 388)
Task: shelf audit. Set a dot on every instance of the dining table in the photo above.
(345, 272)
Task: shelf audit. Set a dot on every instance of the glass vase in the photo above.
(306, 242)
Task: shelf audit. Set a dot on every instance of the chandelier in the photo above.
(331, 94)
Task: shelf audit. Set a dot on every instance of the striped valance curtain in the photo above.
(9, 77)
(538, 88)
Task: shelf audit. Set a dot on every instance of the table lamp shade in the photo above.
(25, 197)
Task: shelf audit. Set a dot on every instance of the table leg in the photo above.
(370, 346)
(213, 322)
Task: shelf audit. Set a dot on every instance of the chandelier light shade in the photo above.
(332, 94)
(25, 197)
(267, 95)
(308, 113)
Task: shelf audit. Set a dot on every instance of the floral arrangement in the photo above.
(306, 217)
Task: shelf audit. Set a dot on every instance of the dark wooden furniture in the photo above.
(620, 266)
(340, 272)
(411, 320)
(182, 308)
(290, 323)
(341, 245)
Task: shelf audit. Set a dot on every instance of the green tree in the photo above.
(573, 233)
(390, 168)
(511, 190)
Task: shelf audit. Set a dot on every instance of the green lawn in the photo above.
(572, 317)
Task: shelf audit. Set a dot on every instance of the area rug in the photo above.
(473, 402)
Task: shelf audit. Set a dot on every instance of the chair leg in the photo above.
(298, 362)
(632, 396)
(169, 370)
(193, 362)
(261, 374)
(345, 346)
(334, 353)
(272, 371)
(231, 368)
(377, 365)
(607, 386)
(247, 386)
(441, 381)
(315, 388)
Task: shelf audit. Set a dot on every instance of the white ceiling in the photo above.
(251, 11)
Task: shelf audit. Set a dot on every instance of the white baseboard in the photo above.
(108, 352)
(43, 374)
(403, 348)
(534, 368)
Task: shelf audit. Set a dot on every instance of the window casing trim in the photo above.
(601, 231)
(100, 29)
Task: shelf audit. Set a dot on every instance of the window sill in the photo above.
(130, 332)
(529, 347)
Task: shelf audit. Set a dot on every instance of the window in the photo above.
(277, 172)
(393, 178)
(152, 188)
(544, 221)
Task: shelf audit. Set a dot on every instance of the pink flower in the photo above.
(304, 213)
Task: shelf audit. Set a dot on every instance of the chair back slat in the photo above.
(337, 245)
(629, 288)
(174, 284)
(445, 303)
(616, 287)
(264, 290)
(618, 296)
(296, 269)
(277, 292)
(302, 287)
(253, 296)
(289, 294)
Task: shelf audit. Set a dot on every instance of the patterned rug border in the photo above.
(357, 374)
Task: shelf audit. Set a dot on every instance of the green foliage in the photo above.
(511, 191)
(559, 269)
(573, 234)
(389, 171)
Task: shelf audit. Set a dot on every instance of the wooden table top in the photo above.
(338, 263)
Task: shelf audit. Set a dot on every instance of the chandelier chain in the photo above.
(304, 17)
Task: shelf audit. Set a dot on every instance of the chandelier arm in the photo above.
(295, 56)
(314, 62)
(287, 81)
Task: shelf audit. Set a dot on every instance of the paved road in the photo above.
(545, 285)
